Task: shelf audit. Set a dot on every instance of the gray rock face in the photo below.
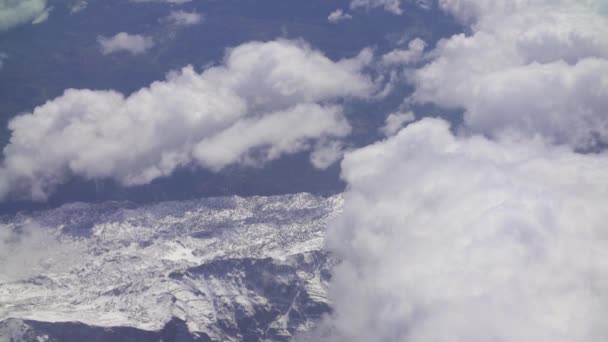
(220, 269)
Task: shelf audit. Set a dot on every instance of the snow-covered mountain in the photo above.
(220, 269)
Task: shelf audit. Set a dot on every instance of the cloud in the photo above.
(461, 238)
(395, 121)
(284, 132)
(527, 68)
(413, 54)
(338, 15)
(183, 18)
(78, 6)
(44, 16)
(266, 100)
(327, 153)
(16, 12)
(496, 233)
(135, 44)
(393, 6)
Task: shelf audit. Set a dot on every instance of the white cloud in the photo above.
(78, 6)
(133, 43)
(395, 121)
(284, 132)
(326, 153)
(529, 67)
(16, 12)
(266, 100)
(413, 54)
(448, 238)
(497, 234)
(44, 16)
(183, 18)
(393, 6)
(338, 15)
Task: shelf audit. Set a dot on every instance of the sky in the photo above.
(468, 137)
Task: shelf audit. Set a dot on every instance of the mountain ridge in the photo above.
(229, 268)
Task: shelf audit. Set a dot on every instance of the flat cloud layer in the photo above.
(266, 100)
(15, 12)
(450, 238)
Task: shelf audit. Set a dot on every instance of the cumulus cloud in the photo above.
(497, 233)
(338, 16)
(183, 18)
(16, 12)
(134, 44)
(264, 101)
(461, 238)
(528, 67)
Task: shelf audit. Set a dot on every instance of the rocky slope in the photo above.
(219, 269)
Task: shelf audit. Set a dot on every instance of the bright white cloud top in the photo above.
(529, 67)
(265, 101)
(497, 233)
(448, 238)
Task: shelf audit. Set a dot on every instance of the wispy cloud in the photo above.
(183, 18)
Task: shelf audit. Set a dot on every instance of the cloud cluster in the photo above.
(529, 67)
(134, 44)
(16, 12)
(447, 238)
(497, 233)
(266, 100)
